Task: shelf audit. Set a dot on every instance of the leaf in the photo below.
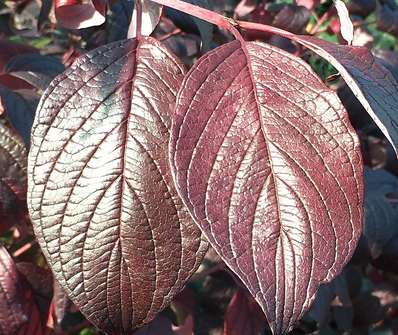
(101, 195)
(368, 310)
(13, 83)
(362, 38)
(388, 260)
(160, 325)
(361, 7)
(309, 4)
(243, 315)
(187, 328)
(381, 216)
(62, 304)
(189, 23)
(40, 279)
(346, 26)
(7, 51)
(245, 7)
(119, 19)
(13, 179)
(266, 161)
(10, 49)
(388, 59)
(45, 11)
(289, 17)
(19, 111)
(40, 282)
(335, 290)
(373, 85)
(36, 69)
(78, 14)
(292, 18)
(387, 20)
(342, 309)
(18, 312)
(151, 13)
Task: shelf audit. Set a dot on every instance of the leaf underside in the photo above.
(101, 195)
(266, 160)
(151, 13)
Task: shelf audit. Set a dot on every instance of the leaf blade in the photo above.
(108, 181)
(230, 158)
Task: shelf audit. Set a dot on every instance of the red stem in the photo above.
(221, 21)
(138, 8)
(204, 14)
(264, 28)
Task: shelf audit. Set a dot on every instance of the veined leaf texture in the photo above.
(268, 164)
(370, 81)
(13, 174)
(101, 195)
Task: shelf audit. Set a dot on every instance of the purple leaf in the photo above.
(389, 59)
(361, 7)
(18, 311)
(292, 18)
(20, 111)
(381, 215)
(101, 194)
(373, 85)
(160, 325)
(13, 179)
(38, 70)
(190, 23)
(269, 166)
(10, 49)
(40, 281)
(387, 20)
(76, 14)
(62, 304)
(243, 315)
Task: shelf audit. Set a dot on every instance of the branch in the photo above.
(221, 21)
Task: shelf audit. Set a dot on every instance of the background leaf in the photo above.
(75, 14)
(151, 13)
(20, 112)
(381, 213)
(243, 315)
(190, 23)
(38, 70)
(18, 311)
(119, 19)
(13, 177)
